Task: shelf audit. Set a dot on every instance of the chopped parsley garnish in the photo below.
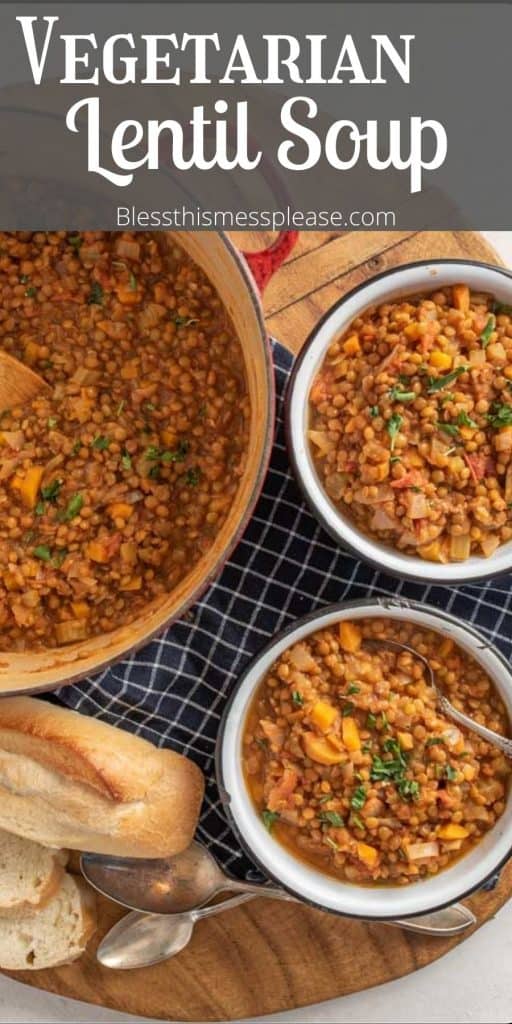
(393, 459)
(331, 818)
(500, 415)
(59, 557)
(463, 420)
(100, 443)
(31, 292)
(438, 383)
(133, 282)
(358, 799)
(434, 740)
(384, 720)
(353, 688)
(149, 407)
(177, 456)
(24, 279)
(448, 428)
(268, 818)
(297, 699)
(51, 492)
(323, 799)
(485, 336)
(120, 407)
(43, 552)
(96, 294)
(330, 842)
(76, 241)
(371, 721)
(76, 447)
(40, 508)
(126, 461)
(356, 820)
(374, 411)
(393, 427)
(193, 476)
(72, 509)
(52, 422)
(408, 789)
(397, 395)
(347, 709)
(450, 773)
(391, 770)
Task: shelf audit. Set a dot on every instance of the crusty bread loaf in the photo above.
(30, 875)
(70, 781)
(56, 935)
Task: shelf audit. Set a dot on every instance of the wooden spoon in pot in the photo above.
(18, 384)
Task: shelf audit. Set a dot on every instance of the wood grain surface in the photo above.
(262, 957)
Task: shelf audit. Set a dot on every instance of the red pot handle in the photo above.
(263, 264)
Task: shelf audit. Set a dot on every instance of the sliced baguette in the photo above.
(74, 782)
(30, 874)
(57, 935)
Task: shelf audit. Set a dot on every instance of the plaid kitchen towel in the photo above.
(173, 692)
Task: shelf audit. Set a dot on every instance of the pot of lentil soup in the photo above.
(345, 782)
(399, 421)
(125, 489)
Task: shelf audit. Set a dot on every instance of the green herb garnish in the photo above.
(371, 720)
(330, 842)
(374, 411)
(353, 688)
(43, 552)
(184, 321)
(331, 818)
(76, 447)
(96, 294)
(393, 427)
(126, 461)
(485, 336)
(75, 241)
(24, 279)
(347, 709)
(51, 492)
(433, 741)
(397, 395)
(297, 699)
(269, 818)
(356, 820)
(450, 773)
(384, 720)
(501, 307)
(193, 476)
(59, 557)
(448, 428)
(438, 383)
(500, 415)
(408, 789)
(133, 282)
(358, 799)
(40, 508)
(463, 420)
(31, 292)
(72, 509)
(100, 443)
(120, 407)
(52, 422)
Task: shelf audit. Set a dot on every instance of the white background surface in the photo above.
(471, 984)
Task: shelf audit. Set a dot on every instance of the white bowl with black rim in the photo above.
(303, 881)
(410, 279)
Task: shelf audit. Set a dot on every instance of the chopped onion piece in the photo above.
(421, 851)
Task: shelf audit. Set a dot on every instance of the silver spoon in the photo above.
(139, 940)
(502, 742)
(170, 886)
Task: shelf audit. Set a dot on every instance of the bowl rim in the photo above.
(372, 605)
(338, 533)
(102, 663)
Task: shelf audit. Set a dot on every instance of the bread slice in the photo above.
(74, 782)
(30, 875)
(57, 935)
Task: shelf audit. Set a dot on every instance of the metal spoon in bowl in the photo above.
(139, 940)
(502, 742)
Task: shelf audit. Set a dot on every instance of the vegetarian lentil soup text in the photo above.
(354, 770)
(114, 486)
(411, 424)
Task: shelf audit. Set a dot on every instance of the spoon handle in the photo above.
(218, 908)
(502, 742)
(259, 889)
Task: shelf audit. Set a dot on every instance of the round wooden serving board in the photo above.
(270, 956)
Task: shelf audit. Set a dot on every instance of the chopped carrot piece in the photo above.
(323, 715)
(405, 740)
(446, 648)
(28, 485)
(453, 831)
(130, 370)
(317, 748)
(80, 609)
(134, 583)
(351, 346)
(120, 510)
(97, 551)
(128, 296)
(368, 854)
(350, 732)
(350, 636)
(441, 360)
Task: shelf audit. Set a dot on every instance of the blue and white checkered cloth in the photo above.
(173, 692)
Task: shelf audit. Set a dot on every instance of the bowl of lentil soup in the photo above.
(124, 491)
(342, 779)
(399, 421)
